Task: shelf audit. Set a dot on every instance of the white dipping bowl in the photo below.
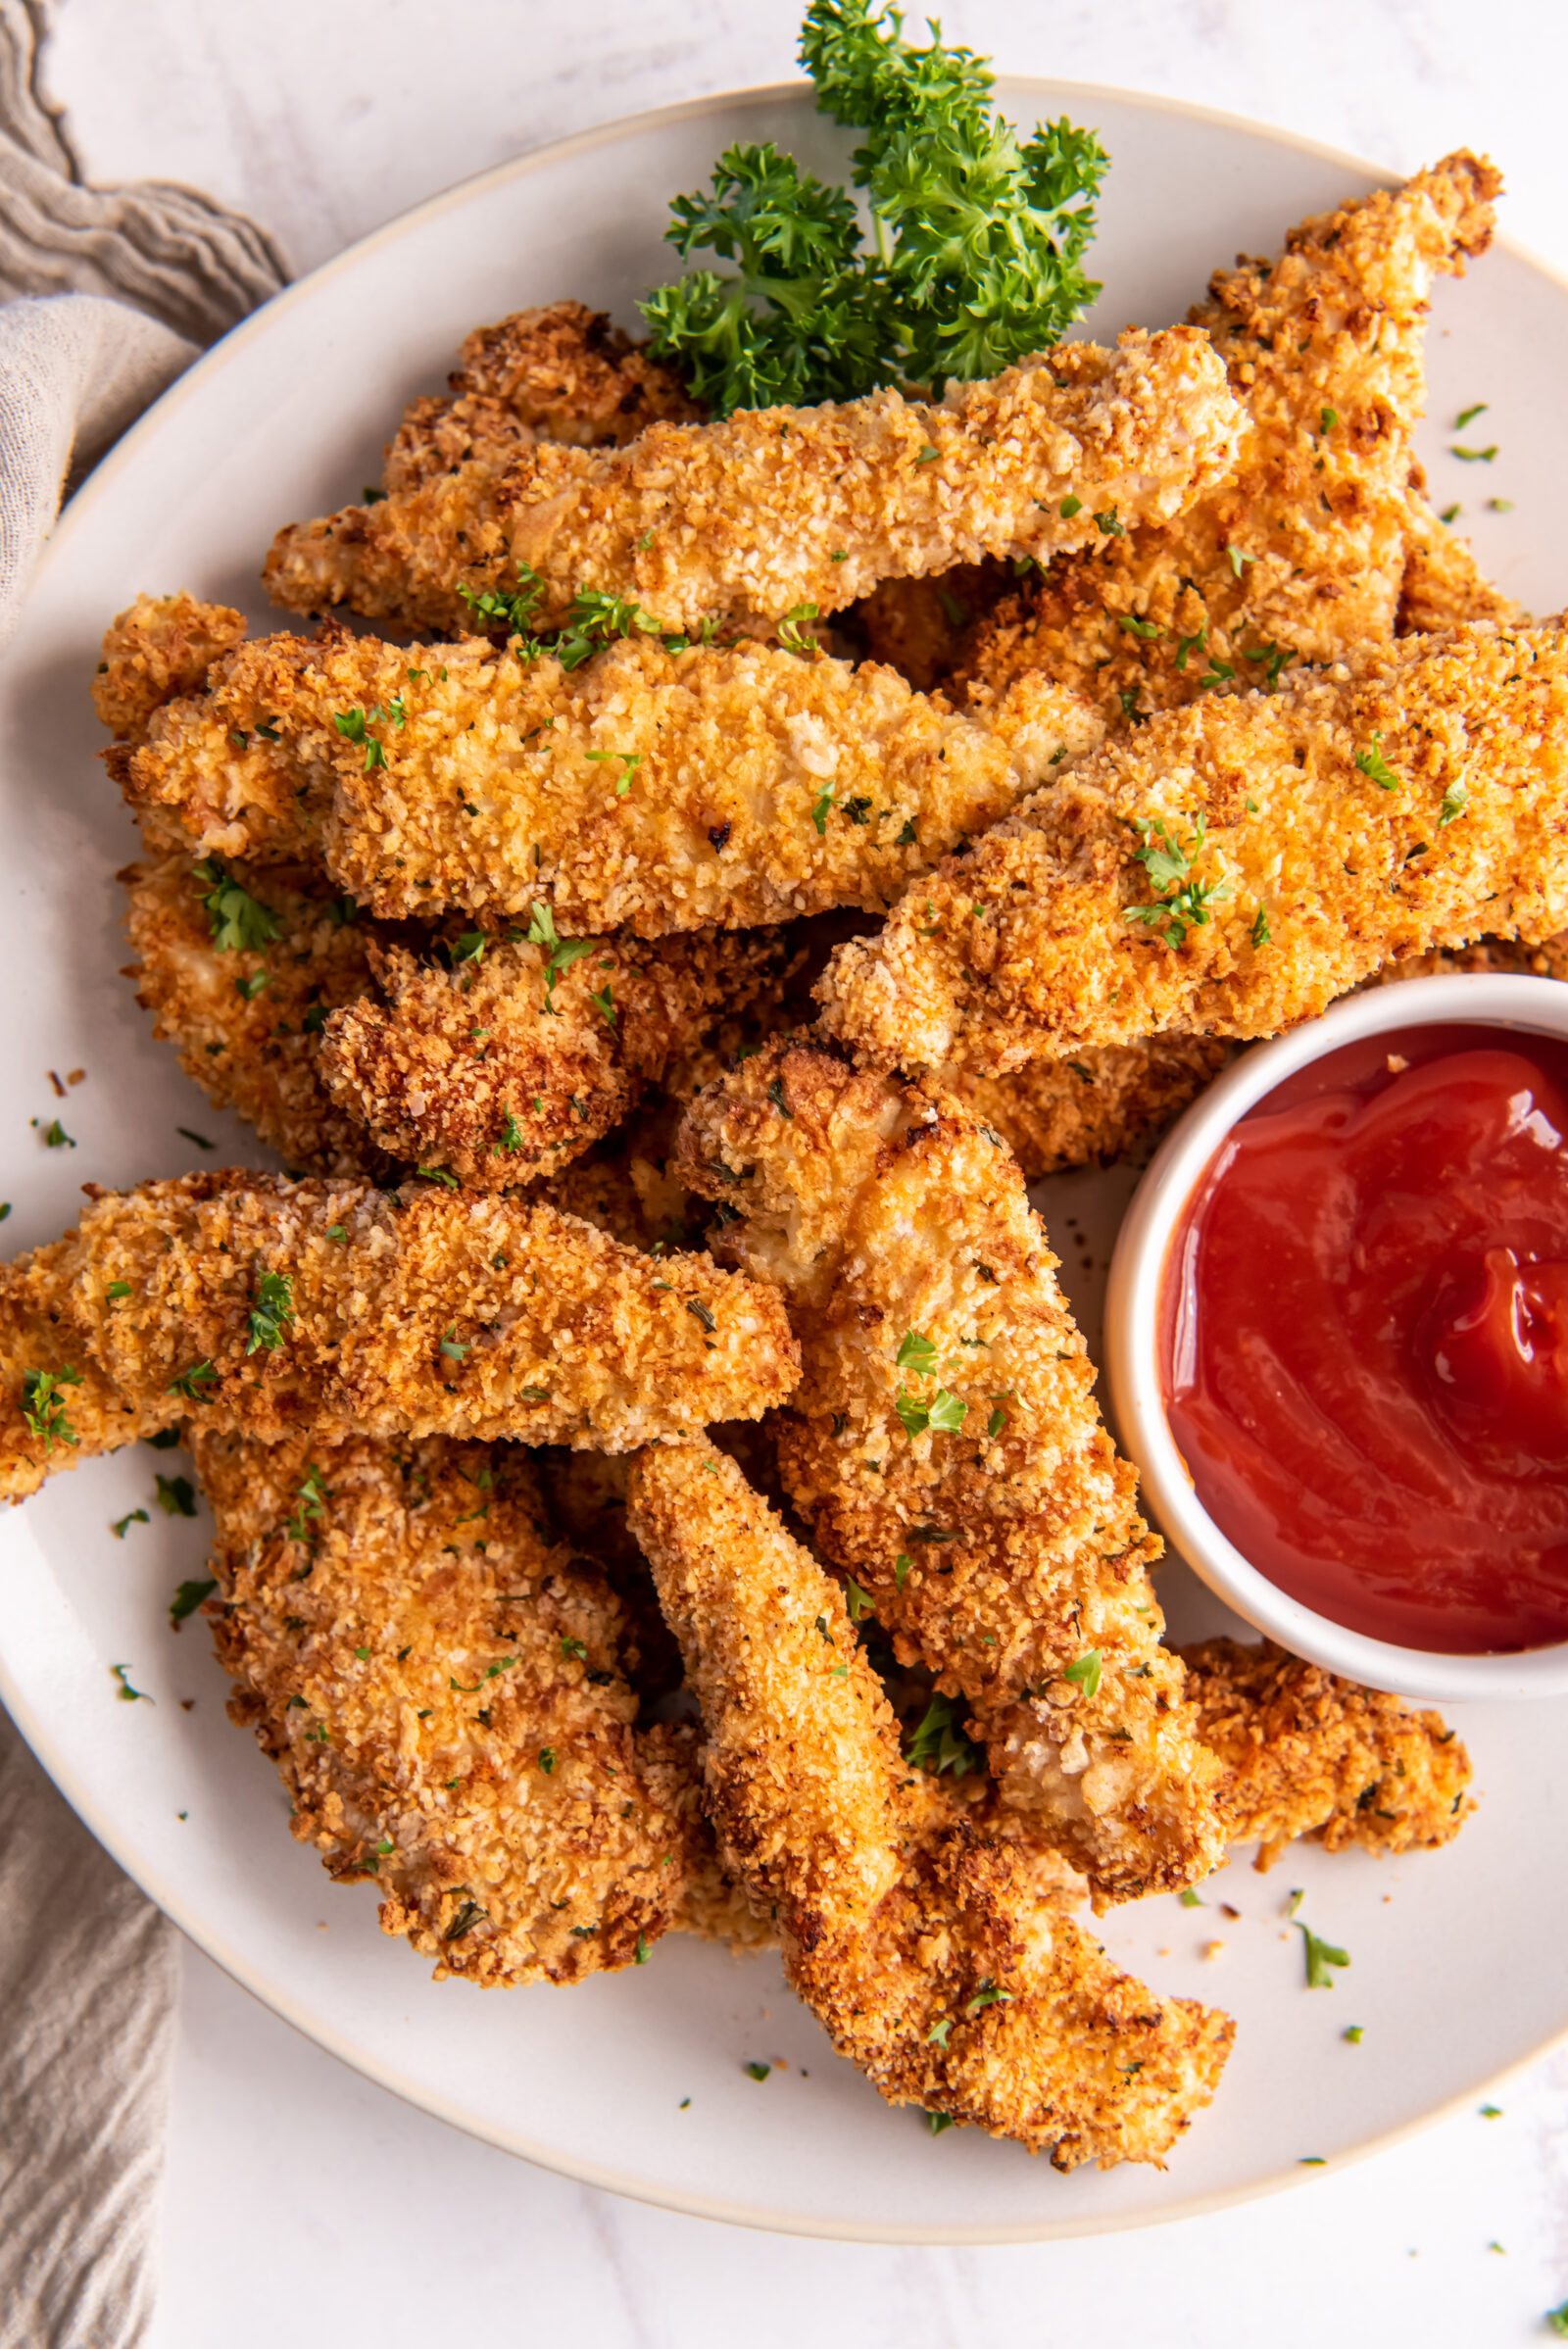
(1534, 1006)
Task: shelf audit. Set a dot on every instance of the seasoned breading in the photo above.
(246, 1022)
(248, 1301)
(1305, 1753)
(156, 650)
(560, 372)
(59, 1407)
(1442, 586)
(1300, 553)
(1417, 801)
(919, 1944)
(443, 1687)
(1094, 1108)
(499, 1066)
(944, 1450)
(649, 790)
(747, 519)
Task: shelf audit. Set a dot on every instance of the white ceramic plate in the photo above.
(1456, 1971)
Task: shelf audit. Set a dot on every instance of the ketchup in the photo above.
(1364, 1338)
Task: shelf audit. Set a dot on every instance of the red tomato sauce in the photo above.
(1364, 1338)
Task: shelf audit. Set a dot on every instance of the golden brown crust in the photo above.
(562, 372)
(1002, 1551)
(500, 1069)
(921, 626)
(772, 508)
(645, 789)
(1418, 801)
(1299, 555)
(156, 650)
(246, 1022)
(420, 1312)
(1093, 1108)
(443, 1687)
(1305, 1753)
(921, 1942)
(81, 1412)
(1443, 585)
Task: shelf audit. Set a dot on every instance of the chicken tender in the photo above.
(945, 1450)
(1234, 866)
(1300, 554)
(649, 790)
(443, 1687)
(560, 372)
(1305, 1753)
(1442, 586)
(251, 1302)
(918, 1943)
(246, 1019)
(773, 509)
(1095, 1108)
(60, 1408)
(156, 651)
(500, 1064)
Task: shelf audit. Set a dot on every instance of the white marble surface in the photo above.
(304, 2202)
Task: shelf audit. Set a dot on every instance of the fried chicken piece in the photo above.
(500, 1064)
(747, 519)
(60, 1408)
(1418, 802)
(1442, 586)
(919, 1944)
(248, 1301)
(1093, 1108)
(156, 651)
(648, 790)
(1305, 1753)
(1300, 553)
(443, 1686)
(560, 372)
(944, 1447)
(246, 1021)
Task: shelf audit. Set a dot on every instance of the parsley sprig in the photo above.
(241, 923)
(939, 1744)
(971, 261)
(43, 1406)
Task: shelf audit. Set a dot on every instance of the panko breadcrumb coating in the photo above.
(647, 789)
(1442, 586)
(499, 1066)
(59, 1406)
(248, 1301)
(944, 1450)
(1305, 1753)
(560, 372)
(1096, 1107)
(777, 507)
(443, 1687)
(247, 1021)
(158, 649)
(1300, 554)
(1417, 801)
(919, 1944)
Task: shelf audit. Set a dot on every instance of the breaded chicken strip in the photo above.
(1093, 1108)
(59, 1405)
(247, 1020)
(649, 790)
(944, 1450)
(1234, 866)
(247, 1301)
(443, 1687)
(560, 372)
(1300, 553)
(918, 1943)
(500, 1065)
(1305, 1753)
(772, 508)
(1442, 586)
(157, 649)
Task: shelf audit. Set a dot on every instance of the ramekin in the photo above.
(1536, 1006)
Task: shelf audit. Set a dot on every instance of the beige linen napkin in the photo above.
(89, 1967)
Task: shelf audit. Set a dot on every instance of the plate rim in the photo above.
(253, 1978)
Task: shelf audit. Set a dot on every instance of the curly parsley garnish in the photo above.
(44, 1409)
(190, 1383)
(562, 951)
(972, 255)
(938, 1744)
(1373, 764)
(271, 1313)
